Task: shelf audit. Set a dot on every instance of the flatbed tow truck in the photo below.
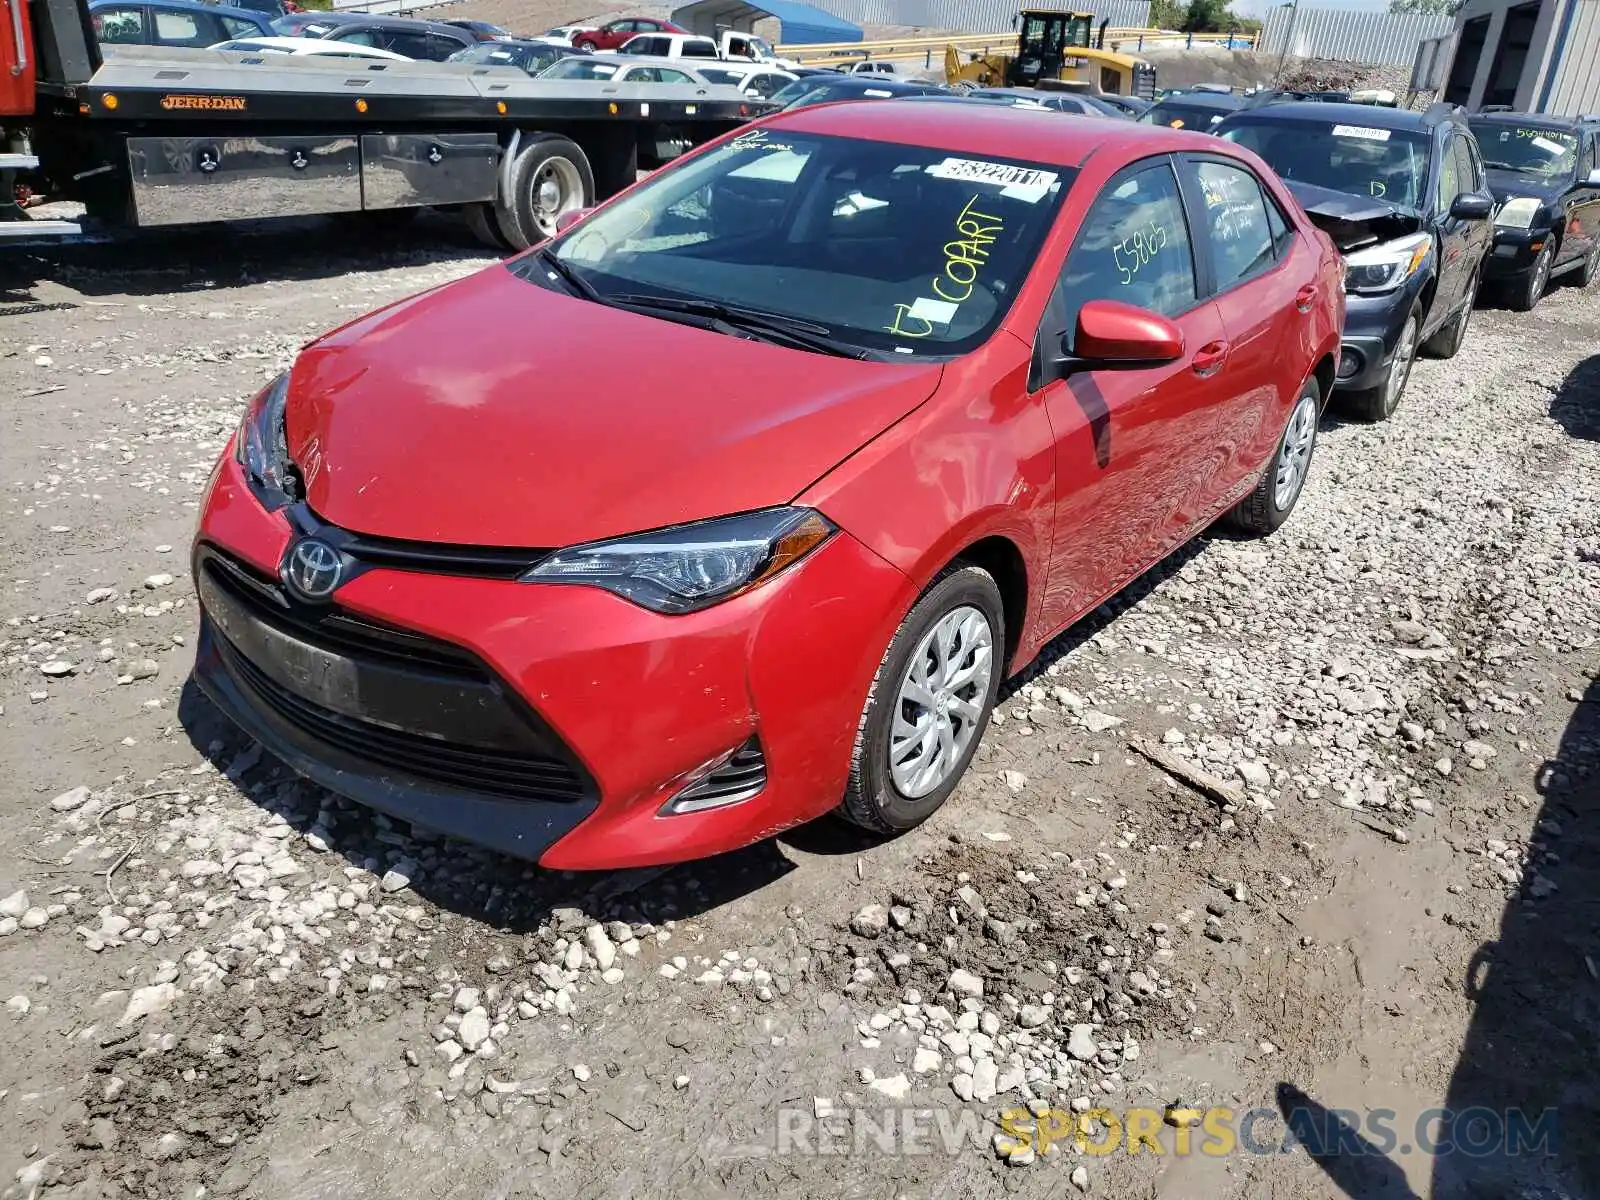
(156, 136)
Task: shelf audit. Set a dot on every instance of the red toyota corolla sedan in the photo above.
(734, 503)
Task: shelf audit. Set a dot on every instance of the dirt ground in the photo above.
(223, 982)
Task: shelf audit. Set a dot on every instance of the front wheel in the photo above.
(929, 703)
(550, 176)
(1279, 488)
(1379, 403)
(1528, 293)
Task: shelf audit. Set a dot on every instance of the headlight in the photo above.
(1518, 214)
(691, 567)
(1385, 267)
(262, 447)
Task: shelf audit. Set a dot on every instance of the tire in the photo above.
(1447, 341)
(875, 798)
(527, 216)
(1590, 270)
(485, 227)
(1525, 295)
(1281, 484)
(1379, 403)
(588, 44)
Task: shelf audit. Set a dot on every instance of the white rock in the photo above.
(18, 1006)
(398, 877)
(1098, 722)
(985, 1077)
(1255, 774)
(14, 905)
(57, 667)
(1015, 780)
(612, 975)
(964, 983)
(1081, 1044)
(449, 1050)
(925, 1060)
(961, 1085)
(100, 594)
(1032, 1016)
(581, 1073)
(34, 918)
(601, 947)
(474, 1030)
(67, 801)
(144, 1001)
(159, 580)
(466, 999)
(896, 1087)
(1080, 1178)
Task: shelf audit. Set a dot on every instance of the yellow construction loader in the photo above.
(1053, 51)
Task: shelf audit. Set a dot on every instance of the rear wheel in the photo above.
(929, 703)
(1279, 488)
(588, 44)
(550, 176)
(485, 227)
(1379, 403)
(1526, 294)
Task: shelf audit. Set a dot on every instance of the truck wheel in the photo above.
(1526, 294)
(550, 176)
(1379, 403)
(485, 227)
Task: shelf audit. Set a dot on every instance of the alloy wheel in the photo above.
(1295, 455)
(939, 705)
(1400, 369)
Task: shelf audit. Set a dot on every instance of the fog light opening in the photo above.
(1349, 363)
(730, 778)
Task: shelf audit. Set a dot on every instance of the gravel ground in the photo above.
(1362, 878)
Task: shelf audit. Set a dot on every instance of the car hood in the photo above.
(494, 412)
(1508, 185)
(1353, 221)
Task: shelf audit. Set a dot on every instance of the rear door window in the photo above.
(238, 27)
(1236, 226)
(1134, 247)
(182, 29)
(120, 26)
(668, 75)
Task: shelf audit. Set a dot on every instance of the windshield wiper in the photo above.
(807, 335)
(579, 285)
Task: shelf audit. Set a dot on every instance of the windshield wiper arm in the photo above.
(769, 326)
(579, 285)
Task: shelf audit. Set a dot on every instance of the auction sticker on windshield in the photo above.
(1361, 131)
(1019, 183)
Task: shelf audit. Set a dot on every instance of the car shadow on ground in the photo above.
(509, 894)
(1576, 403)
(1524, 1097)
(187, 258)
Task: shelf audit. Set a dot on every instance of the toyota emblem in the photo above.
(312, 569)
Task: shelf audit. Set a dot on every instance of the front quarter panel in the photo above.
(976, 461)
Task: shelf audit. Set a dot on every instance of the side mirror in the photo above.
(570, 218)
(1472, 206)
(1111, 335)
(1592, 179)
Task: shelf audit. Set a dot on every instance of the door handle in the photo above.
(1208, 360)
(1305, 298)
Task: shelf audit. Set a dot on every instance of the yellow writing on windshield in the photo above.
(964, 257)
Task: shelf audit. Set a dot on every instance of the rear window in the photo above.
(901, 250)
(1179, 115)
(582, 68)
(699, 50)
(1359, 160)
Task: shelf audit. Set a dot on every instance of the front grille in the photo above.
(403, 702)
(400, 554)
(495, 773)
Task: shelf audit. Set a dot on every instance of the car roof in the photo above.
(1532, 120)
(866, 80)
(382, 22)
(258, 18)
(1036, 135)
(1370, 116)
(524, 43)
(1221, 101)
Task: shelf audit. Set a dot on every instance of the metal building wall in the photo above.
(977, 16)
(1349, 35)
(1573, 86)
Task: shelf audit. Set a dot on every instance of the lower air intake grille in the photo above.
(739, 778)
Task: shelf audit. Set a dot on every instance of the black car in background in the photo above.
(528, 56)
(1199, 111)
(481, 30)
(1069, 102)
(823, 89)
(426, 41)
(1544, 174)
(1405, 198)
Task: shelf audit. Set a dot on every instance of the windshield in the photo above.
(1547, 153)
(1383, 164)
(498, 54)
(1182, 116)
(581, 68)
(828, 92)
(900, 250)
